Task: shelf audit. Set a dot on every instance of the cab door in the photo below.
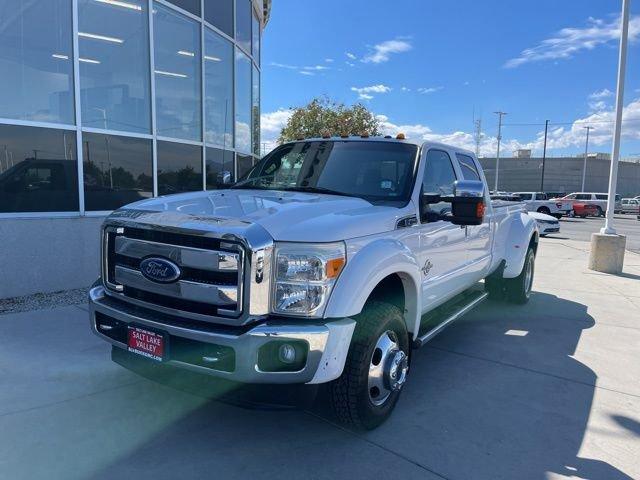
(478, 237)
(441, 252)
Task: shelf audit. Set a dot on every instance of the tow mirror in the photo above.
(467, 203)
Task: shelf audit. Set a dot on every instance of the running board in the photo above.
(464, 308)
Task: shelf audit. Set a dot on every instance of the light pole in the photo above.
(615, 154)
(544, 154)
(586, 150)
(607, 248)
(500, 114)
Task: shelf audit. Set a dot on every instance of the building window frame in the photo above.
(153, 135)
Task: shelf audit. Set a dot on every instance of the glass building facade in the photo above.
(105, 102)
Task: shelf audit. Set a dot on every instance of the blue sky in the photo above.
(426, 67)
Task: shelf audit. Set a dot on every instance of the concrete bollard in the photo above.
(607, 253)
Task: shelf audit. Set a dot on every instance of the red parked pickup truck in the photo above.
(584, 210)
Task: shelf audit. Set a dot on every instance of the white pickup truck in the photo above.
(326, 264)
(541, 203)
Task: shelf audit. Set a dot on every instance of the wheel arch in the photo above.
(387, 271)
(523, 234)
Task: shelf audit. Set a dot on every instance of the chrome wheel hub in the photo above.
(528, 276)
(388, 368)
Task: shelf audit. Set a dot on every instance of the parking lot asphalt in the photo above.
(546, 390)
(582, 228)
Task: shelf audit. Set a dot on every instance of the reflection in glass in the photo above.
(179, 168)
(218, 161)
(218, 90)
(191, 6)
(38, 170)
(36, 61)
(114, 65)
(243, 24)
(255, 40)
(117, 171)
(177, 74)
(245, 162)
(255, 111)
(219, 13)
(243, 102)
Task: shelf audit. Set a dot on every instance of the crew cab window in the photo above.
(439, 177)
(541, 196)
(583, 196)
(602, 197)
(525, 196)
(468, 167)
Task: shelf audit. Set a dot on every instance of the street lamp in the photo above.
(500, 115)
(584, 167)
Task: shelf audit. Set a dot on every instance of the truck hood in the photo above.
(286, 216)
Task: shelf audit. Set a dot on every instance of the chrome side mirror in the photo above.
(467, 203)
(468, 188)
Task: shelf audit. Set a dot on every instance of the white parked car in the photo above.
(546, 223)
(328, 263)
(539, 202)
(597, 199)
(630, 205)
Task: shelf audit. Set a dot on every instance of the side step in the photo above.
(450, 314)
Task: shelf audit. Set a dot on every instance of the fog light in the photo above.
(287, 353)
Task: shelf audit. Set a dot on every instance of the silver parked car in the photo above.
(630, 205)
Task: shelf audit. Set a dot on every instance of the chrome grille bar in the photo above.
(220, 295)
(210, 260)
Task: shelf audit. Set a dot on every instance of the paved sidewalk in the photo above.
(548, 390)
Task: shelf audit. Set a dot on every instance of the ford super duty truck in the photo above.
(328, 263)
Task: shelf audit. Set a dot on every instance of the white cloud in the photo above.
(382, 51)
(364, 93)
(350, 64)
(405, 89)
(598, 94)
(561, 137)
(351, 56)
(304, 70)
(569, 41)
(271, 124)
(328, 60)
(428, 90)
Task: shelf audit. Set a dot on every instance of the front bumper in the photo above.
(327, 343)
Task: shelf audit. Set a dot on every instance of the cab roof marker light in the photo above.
(401, 136)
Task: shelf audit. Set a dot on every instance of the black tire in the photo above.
(544, 210)
(600, 212)
(349, 395)
(519, 289)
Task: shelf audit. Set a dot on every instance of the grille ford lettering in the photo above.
(159, 270)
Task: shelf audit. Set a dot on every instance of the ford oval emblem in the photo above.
(159, 270)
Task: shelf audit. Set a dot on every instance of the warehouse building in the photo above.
(105, 102)
(562, 174)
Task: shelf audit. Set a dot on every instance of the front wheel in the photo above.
(375, 370)
(519, 288)
(544, 210)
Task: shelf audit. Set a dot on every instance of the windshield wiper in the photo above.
(327, 191)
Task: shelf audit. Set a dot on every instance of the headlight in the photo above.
(305, 275)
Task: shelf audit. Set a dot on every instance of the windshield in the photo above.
(375, 171)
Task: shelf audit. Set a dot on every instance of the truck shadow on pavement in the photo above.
(498, 395)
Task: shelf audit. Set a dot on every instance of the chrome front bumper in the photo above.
(328, 343)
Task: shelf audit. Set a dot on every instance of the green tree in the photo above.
(323, 116)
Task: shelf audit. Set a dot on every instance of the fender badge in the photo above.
(427, 267)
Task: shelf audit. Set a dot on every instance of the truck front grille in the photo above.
(211, 272)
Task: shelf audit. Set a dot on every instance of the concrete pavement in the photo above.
(548, 390)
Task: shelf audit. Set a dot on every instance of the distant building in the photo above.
(562, 174)
(522, 153)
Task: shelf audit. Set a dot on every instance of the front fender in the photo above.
(521, 230)
(365, 269)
